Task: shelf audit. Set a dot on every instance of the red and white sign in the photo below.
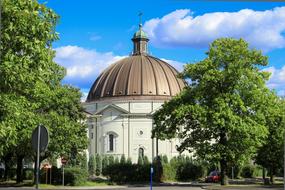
(63, 160)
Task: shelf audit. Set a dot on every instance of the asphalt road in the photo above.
(187, 187)
(119, 188)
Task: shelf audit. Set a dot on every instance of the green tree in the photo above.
(270, 154)
(145, 160)
(140, 160)
(129, 160)
(220, 115)
(117, 161)
(92, 165)
(111, 159)
(98, 164)
(105, 164)
(31, 92)
(123, 159)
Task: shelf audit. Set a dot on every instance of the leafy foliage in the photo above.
(98, 159)
(31, 92)
(220, 116)
(270, 154)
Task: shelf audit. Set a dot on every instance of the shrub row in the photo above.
(179, 168)
(73, 176)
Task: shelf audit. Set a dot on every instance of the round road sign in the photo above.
(44, 138)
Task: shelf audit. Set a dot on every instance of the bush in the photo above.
(140, 160)
(129, 160)
(12, 173)
(28, 174)
(123, 173)
(98, 164)
(257, 171)
(92, 165)
(169, 172)
(123, 159)
(105, 163)
(2, 171)
(247, 171)
(111, 159)
(236, 170)
(75, 176)
(189, 171)
(164, 159)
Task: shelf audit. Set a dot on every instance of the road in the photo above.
(174, 187)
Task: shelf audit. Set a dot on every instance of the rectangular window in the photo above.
(111, 142)
(91, 135)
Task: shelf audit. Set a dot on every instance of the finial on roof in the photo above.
(140, 15)
(140, 39)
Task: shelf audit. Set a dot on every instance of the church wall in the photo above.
(132, 131)
(140, 137)
(140, 107)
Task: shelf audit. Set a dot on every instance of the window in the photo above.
(91, 135)
(111, 142)
(141, 152)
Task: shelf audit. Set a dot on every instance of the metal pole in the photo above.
(232, 172)
(38, 157)
(151, 172)
(62, 174)
(46, 175)
(50, 175)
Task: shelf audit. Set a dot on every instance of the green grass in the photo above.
(94, 183)
(29, 183)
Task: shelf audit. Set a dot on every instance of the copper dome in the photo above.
(139, 76)
(136, 76)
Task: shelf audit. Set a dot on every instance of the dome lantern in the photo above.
(140, 41)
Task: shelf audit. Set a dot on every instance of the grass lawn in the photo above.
(245, 187)
(28, 183)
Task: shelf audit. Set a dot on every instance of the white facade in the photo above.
(124, 127)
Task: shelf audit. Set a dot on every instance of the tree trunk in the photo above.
(223, 161)
(19, 169)
(224, 177)
(7, 168)
(7, 163)
(272, 177)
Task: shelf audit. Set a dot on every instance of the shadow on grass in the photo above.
(12, 183)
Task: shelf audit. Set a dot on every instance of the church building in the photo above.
(122, 100)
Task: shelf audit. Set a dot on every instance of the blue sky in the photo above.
(94, 35)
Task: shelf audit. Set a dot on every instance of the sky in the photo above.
(95, 34)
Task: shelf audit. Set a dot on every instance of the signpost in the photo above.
(47, 167)
(63, 162)
(40, 141)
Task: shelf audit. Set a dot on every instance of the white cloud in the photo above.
(83, 65)
(176, 64)
(262, 29)
(277, 79)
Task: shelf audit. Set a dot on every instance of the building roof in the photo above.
(140, 33)
(137, 77)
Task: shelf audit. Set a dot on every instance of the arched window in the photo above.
(111, 142)
(141, 152)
